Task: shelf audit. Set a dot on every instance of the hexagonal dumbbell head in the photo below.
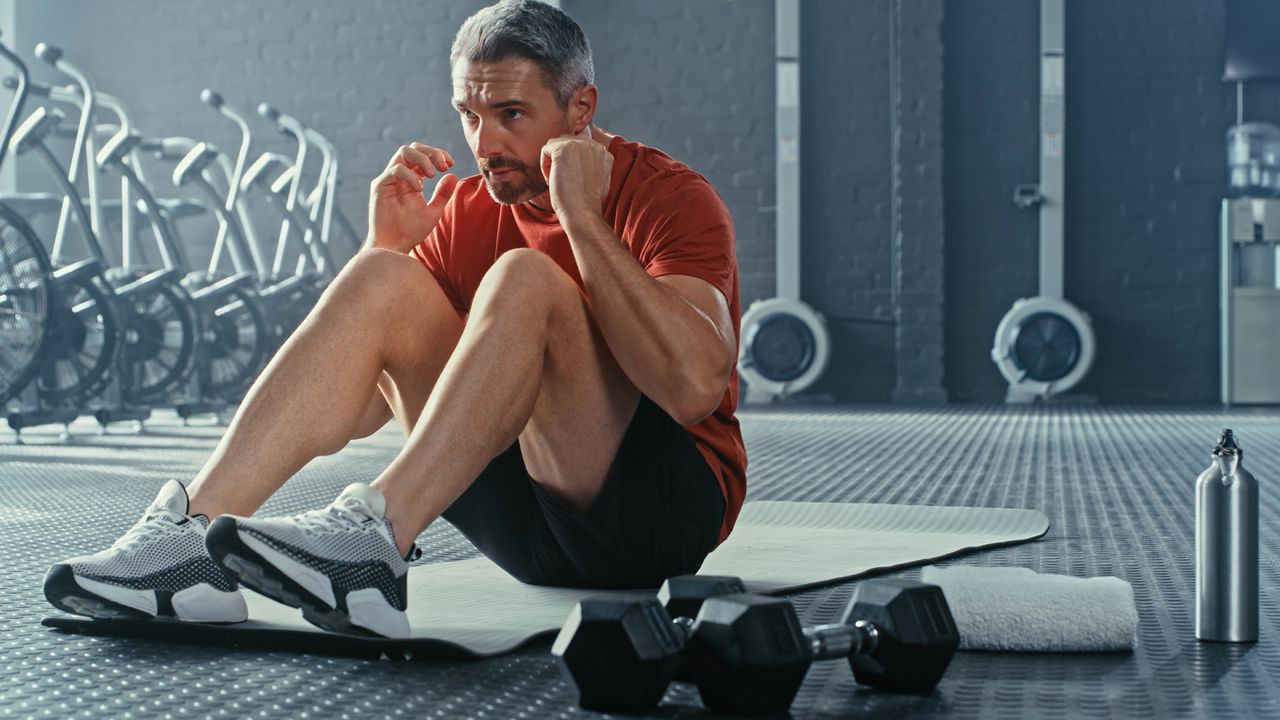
(916, 635)
(619, 652)
(683, 595)
(748, 653)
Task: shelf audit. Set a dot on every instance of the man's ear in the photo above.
(582, 109)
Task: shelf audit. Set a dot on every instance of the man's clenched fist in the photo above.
(399, 216)
(577, 170)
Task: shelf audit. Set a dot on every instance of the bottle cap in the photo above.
(1227, 444)
(1228, 455)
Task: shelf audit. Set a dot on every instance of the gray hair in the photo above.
(532, 30)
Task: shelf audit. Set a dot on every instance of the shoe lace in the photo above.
(155, 523)
(340, 517)
(330, 519)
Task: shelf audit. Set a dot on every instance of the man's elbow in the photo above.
(702, 396)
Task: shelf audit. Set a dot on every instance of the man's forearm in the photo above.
(668, 348)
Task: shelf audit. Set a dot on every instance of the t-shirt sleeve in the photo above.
(433, 253)
(685, 229)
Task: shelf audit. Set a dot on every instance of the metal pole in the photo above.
(788, 157)
(1052, 145)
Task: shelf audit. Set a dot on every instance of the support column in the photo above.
(915, 76)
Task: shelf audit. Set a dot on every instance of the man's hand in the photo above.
(577, 170)
(399, 216)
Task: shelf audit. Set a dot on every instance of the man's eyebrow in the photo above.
(496, 106)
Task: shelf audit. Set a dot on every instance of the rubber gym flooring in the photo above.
(1116, 482)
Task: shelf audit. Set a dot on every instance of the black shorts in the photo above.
(658, 515)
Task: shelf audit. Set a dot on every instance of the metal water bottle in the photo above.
(1227, 548)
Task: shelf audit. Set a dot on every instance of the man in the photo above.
(556, 337)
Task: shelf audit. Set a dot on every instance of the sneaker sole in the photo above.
(63, 592)
(199, 603)
(259, 574)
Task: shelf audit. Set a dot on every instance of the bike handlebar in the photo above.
(211, 98)
(20, 87)
(48, 53)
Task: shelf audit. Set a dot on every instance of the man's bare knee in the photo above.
(392, 297)
(377, 275)
(394, 307)
(523, 283)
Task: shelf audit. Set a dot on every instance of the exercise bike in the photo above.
(119, 345)
(291, 295)
(233, 333)
(31, 303)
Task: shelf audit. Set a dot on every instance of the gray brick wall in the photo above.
(696, 80)
(693, 78)
(917, 205)
(846, 170)
(1147, 113)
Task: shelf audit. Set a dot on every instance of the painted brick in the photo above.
(1147, 114)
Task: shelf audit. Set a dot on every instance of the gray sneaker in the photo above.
(339, 565)
(159, 568)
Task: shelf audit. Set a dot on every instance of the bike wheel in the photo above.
(161, 333)
(235, 339)
(83, 344)
(26, 304)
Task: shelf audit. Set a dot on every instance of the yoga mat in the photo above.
(472, 608)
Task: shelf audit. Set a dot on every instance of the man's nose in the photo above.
(489, 140)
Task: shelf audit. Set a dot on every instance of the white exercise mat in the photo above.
(776, 546)
(472, 608)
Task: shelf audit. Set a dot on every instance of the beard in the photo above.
(522, 185)
(516, 187)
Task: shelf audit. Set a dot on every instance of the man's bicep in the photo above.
(689, 246)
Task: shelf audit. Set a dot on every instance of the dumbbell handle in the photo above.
(830, 642)
(683, 629)
(826, 642)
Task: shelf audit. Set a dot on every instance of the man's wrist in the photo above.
(581, 220)
(373, 242)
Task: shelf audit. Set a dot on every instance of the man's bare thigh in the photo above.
(425, 328)
(585, 401)
(583, 409)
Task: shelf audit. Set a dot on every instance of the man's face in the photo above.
(508, 113)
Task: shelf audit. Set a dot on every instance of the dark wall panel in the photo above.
(1147, 113)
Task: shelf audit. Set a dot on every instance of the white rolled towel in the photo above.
(1016, 609)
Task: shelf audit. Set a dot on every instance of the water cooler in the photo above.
(1250, 224)
(1250, 301)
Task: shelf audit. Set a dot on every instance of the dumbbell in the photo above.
(748, 654)
(622, 651)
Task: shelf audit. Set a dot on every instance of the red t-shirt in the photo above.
(668, 216)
